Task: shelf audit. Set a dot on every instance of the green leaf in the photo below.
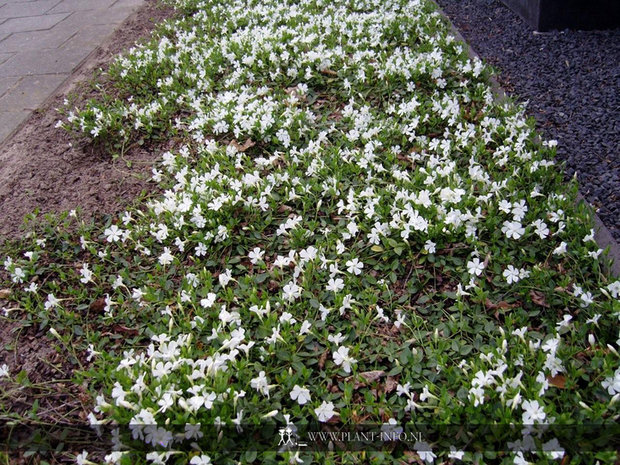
(423, 299)
(394, 371)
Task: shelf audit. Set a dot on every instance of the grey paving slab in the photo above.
(93, 35)
(42, 42)
(9, 120)
(127, 3)
(38, 40)
(82, 20)
(31, 23)
(5, 56)
(80, 5)
(43, 62)
(115, 15)
(33, 8)
(31, 92)
(7, 83)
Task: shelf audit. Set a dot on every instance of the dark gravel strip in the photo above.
(572, 82)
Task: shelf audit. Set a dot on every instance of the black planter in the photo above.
(545, 15)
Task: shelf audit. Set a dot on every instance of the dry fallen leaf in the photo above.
(335, 419)
(5, 293)
(98, 305)
(246, 145)
(322, 359)
(390, 384)
(503, 305)
(336, 115)
(125, 330)
(539, 298)
(368, 377)
(559, 381)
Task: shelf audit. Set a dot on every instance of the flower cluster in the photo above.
(352, 229)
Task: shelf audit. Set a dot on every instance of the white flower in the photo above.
(325, 411)
(225, 278)
(340, 248)
(532, 412)
(4, 370)
(200, 460)
(513, 229)
(113, 233)
(51, 302)
(541, 228)
(336, 338)
(520, 460)
(256, 255)
(505, 206)
(18, 275)
(565, 323)
(301, 394)
(287, 317)
(261, 384)
(87, 275)
(291, 291)
(519, 210)
(305, 327)
(589, 237)
(426, 394)
(456, 454)
(354, 266)
(429, 246)
(403, 389)
(520, 333)
(81, 459)
(614, 289)
(586, 299)
(448, 195)
(208, 301)
(511, 274)
(335, 284)
(612, 384)
(560, 249)
(475, 267)
(166, 258)
(341, 357)
(308, 254)
(424, 451)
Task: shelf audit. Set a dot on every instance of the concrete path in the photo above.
(42, 42)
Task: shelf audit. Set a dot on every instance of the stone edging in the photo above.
(602, 235)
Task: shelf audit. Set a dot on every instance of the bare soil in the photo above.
(46, 169)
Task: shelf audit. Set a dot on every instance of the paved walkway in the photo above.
(42, 42)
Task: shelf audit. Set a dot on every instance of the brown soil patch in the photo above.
(44, 168)
(39, 391)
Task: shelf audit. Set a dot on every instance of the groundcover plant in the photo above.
(353, 236)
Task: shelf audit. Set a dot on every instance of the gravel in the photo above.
(572, 82)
